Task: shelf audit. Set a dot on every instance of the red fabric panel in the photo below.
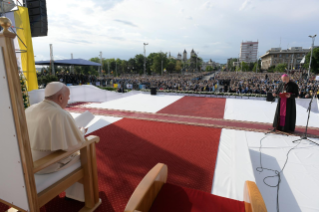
(128, 149)
(174, 198)
(283, 108)
(197, 106)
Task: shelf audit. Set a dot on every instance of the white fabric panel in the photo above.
(139, 102)
(83, 93)
(233, 165)
(299, 181)
(262, 111)
(12, 183)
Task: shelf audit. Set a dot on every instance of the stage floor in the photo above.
(216, 159)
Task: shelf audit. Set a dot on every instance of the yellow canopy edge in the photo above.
(21, 18)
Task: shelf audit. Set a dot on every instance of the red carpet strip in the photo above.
(197, 106)
(130, 148)
(172, 198)
(192, 120)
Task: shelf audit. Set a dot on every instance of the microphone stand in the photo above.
(305, 137)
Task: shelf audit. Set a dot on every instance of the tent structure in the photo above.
(69, 62)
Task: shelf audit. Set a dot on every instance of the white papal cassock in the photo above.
(51, 128)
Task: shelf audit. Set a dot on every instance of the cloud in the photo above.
(117, 38)
(76, 41)
(182, 11)
(104, 4)
(190, 18)
(245, 5)
(208, 5)
(126, 22)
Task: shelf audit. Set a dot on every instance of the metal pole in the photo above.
(101, 61)
(313, 41)
(52, 60)
(144, 44)
(257, 63)
(292, 61)
(237, 64)
(108, 67)
(72, 66)
(162, 66)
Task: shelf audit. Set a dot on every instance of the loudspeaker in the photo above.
(270, 97)
(153, 91)
(38, 17)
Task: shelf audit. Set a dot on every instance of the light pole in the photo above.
(162, 66)
(237, 64)
(313, 42)
(145, 44)
(101, 62)
(257, 64)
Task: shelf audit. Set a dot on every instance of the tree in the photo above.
(281, 67)
(314, 61)
(244, 66)
(209, 68)
(170, 66)
(157, 62)
(259, 66)
(139, 63)
(178, 66)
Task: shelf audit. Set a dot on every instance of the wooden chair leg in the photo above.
(86, 161)
(94, 172)
(90, 180)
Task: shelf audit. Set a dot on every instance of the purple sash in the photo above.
(282, 115)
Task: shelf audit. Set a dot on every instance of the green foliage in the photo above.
(281, 67)
(271, 68)
(107, 88)
(45, 79)
(24, 91)
(178, 66)
(314, 62)
(259, 66)
(209, 68)
(245, 66)
(230, 63)
(157, 62)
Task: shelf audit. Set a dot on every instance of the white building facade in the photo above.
(248, 52)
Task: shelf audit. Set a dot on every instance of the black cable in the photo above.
(261, 169)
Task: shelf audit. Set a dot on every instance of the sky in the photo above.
(214, 29)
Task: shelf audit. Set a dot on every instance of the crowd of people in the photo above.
(233, 82)
(262, 83)
(70, 78)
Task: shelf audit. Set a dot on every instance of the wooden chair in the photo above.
(86, 174)
(147, 190)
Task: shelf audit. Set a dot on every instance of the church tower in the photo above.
(185, 55)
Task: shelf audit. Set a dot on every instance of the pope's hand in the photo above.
(288, 95)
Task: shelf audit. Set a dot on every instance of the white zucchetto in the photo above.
(52, 88)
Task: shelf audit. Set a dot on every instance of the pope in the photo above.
(52, 128)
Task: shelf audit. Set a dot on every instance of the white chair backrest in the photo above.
(12, 183)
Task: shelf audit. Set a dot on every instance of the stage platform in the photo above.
(242, 123)
(209, 144)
